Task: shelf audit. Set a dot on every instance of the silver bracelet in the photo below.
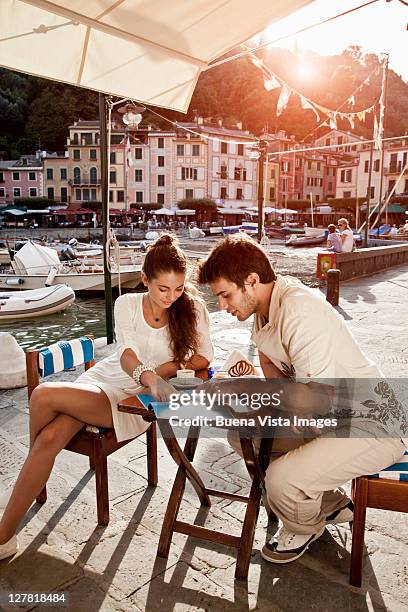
(143, 367)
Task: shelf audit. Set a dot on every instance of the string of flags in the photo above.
(272, 81)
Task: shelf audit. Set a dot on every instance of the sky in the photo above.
(377, 28)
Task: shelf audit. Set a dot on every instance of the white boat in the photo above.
(35, 266)
(35, 302)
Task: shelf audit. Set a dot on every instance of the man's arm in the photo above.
(269, 369)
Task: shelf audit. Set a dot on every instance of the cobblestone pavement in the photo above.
(115, 567)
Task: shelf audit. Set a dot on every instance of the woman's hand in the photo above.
(158, 387)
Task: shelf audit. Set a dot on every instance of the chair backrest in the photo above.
(58, 357)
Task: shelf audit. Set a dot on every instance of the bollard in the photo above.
(333, 286)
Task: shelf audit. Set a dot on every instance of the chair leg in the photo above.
(91, 463)
(360, 491)
(151, 439)
(101, 481)
(42, 496)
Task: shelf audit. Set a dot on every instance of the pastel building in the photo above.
(21, 178)
(55, 177)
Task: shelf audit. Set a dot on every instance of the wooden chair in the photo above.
(97, 443)
(387, 490)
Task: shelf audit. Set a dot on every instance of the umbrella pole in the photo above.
(261, 161)
(105, 216)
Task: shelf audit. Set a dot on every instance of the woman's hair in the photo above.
(163, 256)
(332, 228)
(234, 259)
(343, 220)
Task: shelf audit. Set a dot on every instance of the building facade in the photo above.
(22, 178)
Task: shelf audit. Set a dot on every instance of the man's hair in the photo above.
(234, 258)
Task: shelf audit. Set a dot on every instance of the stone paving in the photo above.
(115, 567)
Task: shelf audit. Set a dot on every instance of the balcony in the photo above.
(84, 180)
(394, 168)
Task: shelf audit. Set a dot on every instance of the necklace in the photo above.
(157, 319)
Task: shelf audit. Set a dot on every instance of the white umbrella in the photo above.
(165, 211)
(231, 211)
(186, 211)
(286, 211)
(151, 51)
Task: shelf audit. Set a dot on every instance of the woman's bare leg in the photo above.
(54, 430)
(87, 403)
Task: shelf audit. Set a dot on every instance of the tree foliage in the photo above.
(36, 111)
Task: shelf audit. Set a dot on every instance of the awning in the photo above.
(103, 44)
(63, 212)
(254, 211)
(85, 211)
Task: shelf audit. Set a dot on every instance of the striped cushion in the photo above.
(64, 355)
(398, 471)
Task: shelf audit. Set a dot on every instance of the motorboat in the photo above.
(35, 302)
(35, 266)
(313, 237)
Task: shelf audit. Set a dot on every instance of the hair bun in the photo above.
(166, 240)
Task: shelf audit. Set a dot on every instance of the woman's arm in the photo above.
(129, 361)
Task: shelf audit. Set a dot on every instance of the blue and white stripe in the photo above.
(398, 471)
(64, 355)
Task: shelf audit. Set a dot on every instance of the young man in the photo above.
(298, 333)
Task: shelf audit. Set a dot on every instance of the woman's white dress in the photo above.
(150, 345)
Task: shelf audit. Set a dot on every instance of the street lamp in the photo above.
(258, 152)
(131, 116)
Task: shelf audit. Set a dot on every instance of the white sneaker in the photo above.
(8, 549)
(285, 546)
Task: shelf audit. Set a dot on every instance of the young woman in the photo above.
(347, 237)
(158, 332)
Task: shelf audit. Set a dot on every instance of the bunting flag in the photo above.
(272, 81)
(376, 135)
(283, 99)
(380, 126)
(306, 105)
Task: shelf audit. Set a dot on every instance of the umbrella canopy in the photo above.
(185, 211)
(165, 211)
(231, 211)
(14, 211)
(286, 211)
(148, 51)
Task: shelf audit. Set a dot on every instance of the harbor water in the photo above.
(87, 314)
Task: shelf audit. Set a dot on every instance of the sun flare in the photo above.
(305, 70)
